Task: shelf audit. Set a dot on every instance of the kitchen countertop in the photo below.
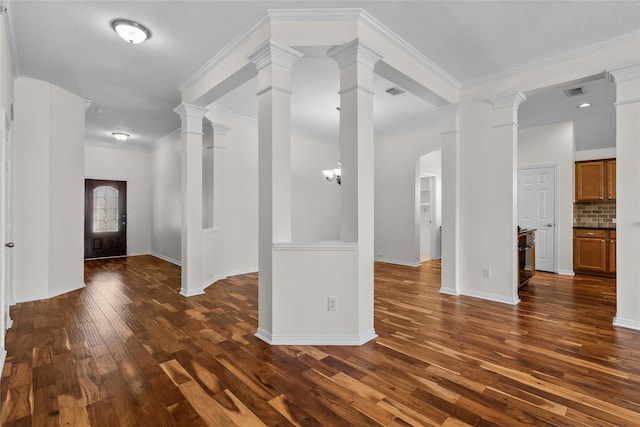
(597, 227)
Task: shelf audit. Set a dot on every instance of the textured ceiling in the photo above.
(133, 88)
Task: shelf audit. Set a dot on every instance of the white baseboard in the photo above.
(397, 262)
(491, 297)
(241, 272)
(566, 272)
(139, 254)
(192, 292)
(315, 340)
(166, 258)
(631, 324)
(449, 291)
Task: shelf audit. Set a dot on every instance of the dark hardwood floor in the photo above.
(128, 350)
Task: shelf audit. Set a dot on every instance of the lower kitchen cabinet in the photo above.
(594, 252)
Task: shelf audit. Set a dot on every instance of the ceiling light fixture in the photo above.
(336, 173)
(120, 136)
(130, 31)
(584, 105)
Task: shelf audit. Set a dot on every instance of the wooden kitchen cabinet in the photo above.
(611, 179)
(594, 252)
(595, 180)
(612, 252)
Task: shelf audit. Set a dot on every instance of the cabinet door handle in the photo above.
(589, 234)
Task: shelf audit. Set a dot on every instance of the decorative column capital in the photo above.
(356, 50)
(622, 74)
(512, 100)
(271, 52)
(191, 116)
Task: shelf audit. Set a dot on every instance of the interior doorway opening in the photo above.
(429, 217)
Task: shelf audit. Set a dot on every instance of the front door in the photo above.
(537, 209)
(105, 218)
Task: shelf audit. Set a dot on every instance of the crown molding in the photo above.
(305, 15)
(553, 60)
(364, 17)
(411, 51)
(249, 31)
(166, 139)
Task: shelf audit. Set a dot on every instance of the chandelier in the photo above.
(335, 173)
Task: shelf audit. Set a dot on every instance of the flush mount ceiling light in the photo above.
(120, 136)
(130, 31)
(584, 105)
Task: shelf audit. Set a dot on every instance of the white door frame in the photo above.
(556, 202)
(5, 226)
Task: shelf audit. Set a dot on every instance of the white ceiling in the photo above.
(133, 88)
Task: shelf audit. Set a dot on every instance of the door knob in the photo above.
(9, 245)
(549, 225)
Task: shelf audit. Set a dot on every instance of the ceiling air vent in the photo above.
(575, 91)
(395, 91)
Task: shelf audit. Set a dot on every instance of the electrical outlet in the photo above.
(486, 272)
(332, 303)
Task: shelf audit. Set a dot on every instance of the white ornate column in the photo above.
(450, 137)
(627, 80)
(274, 62)
(356, 61)
(191, 185)
(505, 124)
(216, 269)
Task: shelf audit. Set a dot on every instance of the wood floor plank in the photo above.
(129, 350)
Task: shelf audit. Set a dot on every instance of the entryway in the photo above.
(105, 218)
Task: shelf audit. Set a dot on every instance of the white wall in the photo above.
(48, 190)
(241, 200)
(396, 213)
(166, 200)
(134, 167)
(554, 144)
(315, 202)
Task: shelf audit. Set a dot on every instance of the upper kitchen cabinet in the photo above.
(611, 179)
(596, 180)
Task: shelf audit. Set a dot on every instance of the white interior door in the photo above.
(6, 221)
(537, 209)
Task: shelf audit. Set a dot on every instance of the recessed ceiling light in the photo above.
(130, 31)
(584, 105)
(120, 136)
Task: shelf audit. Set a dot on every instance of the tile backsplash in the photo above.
(594, 214)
